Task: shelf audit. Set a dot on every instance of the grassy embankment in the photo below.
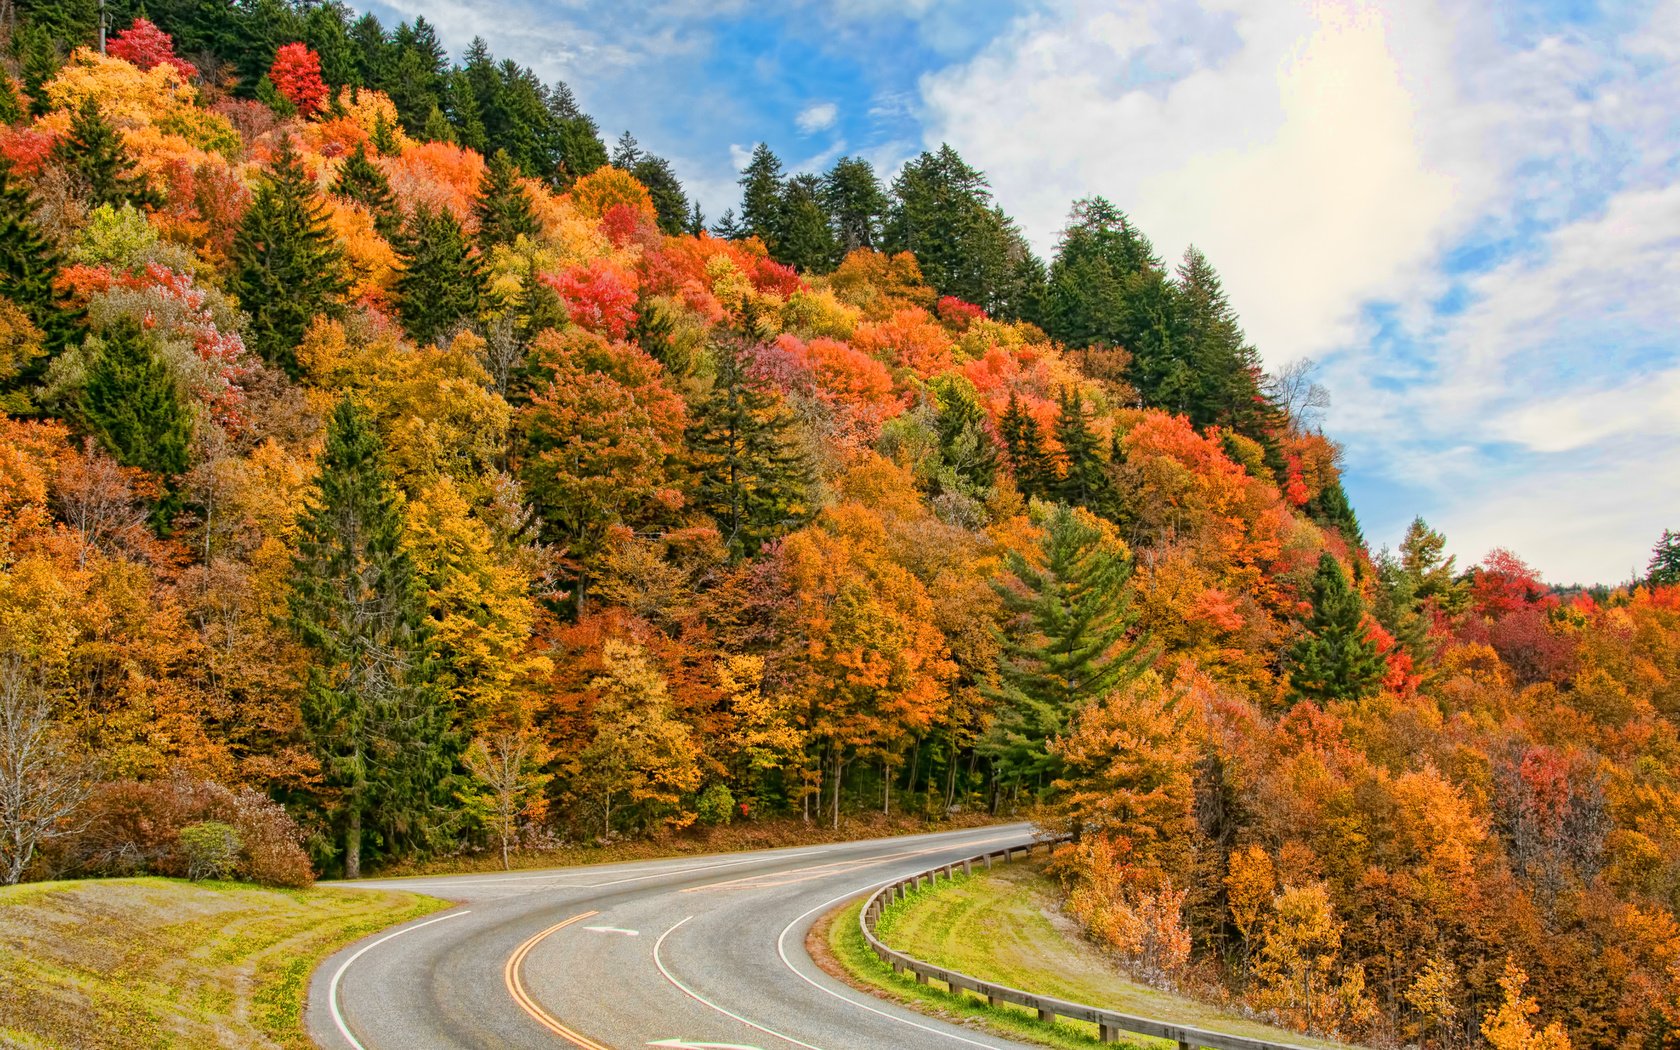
(1005, 926)
(134, 963)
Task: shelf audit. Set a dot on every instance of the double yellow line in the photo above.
(516, 987)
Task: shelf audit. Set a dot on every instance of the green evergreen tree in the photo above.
(1331, 507)
(1084, 478)
(360, 180)
(11, 104)
(748, 472)
(853, 196)
(1664, 569)
(670, 203)
(94, 156)
(288, 268)
(807, 235)
(503, 208)
(327, 30)
(373, 708)
(1035, 471)
(131, 402)
(442, 282)
(384, 137)
(1398, 608)
(29, 266)
(729, 227)
(1067, 644)
(964, 443)
(465, 116)
(761, 197)
(1334, 659)
(1227, 390)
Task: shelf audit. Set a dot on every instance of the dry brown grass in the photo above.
(131, 963)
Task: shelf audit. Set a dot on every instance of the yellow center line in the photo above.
(817, 871)
(516, 987)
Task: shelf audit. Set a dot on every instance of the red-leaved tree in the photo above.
(296, 73)
(143, 44)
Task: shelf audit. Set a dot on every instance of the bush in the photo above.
(137, 827)
(715, 805)
(211, 849)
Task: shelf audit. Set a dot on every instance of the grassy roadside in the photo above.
(1005, 926)
(129, 963)
(778, 833)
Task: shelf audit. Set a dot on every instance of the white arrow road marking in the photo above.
(338, 975)
(684, 1044)
(615, 929)
(703, 1001)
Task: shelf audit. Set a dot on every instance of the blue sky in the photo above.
(1468, 214)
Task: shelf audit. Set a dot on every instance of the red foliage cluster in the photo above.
(598, 296)
(957, 313)
(145, 45)
(296, 73)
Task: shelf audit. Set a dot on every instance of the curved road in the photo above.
(705, 952)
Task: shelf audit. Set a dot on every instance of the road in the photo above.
(705, 952)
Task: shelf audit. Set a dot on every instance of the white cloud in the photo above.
(740, 156)
(817, 117)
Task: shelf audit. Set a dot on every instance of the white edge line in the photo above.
(781, 950)
(697, 997)
(332, 988)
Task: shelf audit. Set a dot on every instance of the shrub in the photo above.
(211, 849)
(715, 805)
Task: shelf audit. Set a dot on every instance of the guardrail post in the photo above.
(991, 1000)
(968, 867)
(1108, 1033)
(921, 978)
(1047, 1016)
(988, 859)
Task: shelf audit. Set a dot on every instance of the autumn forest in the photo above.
(391, 469)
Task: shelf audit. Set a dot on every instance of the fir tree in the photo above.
(670, 203)
(1084, 478)
(131, 401)
(373, 710)
(807, 238)
(1068, 643)
(1664, 570)
(1334, 659)
(503, 208)
(761, 197)
(11, 104)
(853, 196)
(94, 156)
(748, 472)
(1331, 507)
(964, 443)
(288, 267)
(360, 180)
(728, 227)
(1035, 474)
(441, 283)
(464, 114)
(1227, 388)
(29, 266)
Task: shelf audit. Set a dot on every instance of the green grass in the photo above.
(1006, 926)
(164, 963)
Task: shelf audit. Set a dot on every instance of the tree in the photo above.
(287, 266)
(728, 227)
(442, 280)
(1066, 644)
(132, 402)
(670, 203)
(761, 197)
(373, 712)
(41, 785)
(1509, 1028)
(1432, 571)
(806, 238)
(296, 74)
(506, 766)
(94, 156)
(29, 268)
(360, 180)
(1084, 479)
(503, 208)
(964, 443)
(1297, 958)
(640, 750)
(853, 197)
(1335, 658)
(1227, 387)
(1664, 569)
(748, 472)
(144, 45)
(1035, 471)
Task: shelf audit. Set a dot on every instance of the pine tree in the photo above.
(503, 208)
(1334, 659)
(749, 474)
(1068, 643)
(130, 400)
(94, 156)
(761, 197)
(288, 267)
(1664, 570)
(11, 104)
(373, 709)
(1227, 369)
(1331, 507)
(465, 116)
(441, 283)
(29, 266)
(1084, 479)
(728, 227)
(1035, 473)
(964, 443)
(360, 180)
(807, 237)
(670, 203)
(854, 197)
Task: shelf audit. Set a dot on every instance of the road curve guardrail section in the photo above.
(1109, 1024)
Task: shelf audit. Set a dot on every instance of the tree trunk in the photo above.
(353, 844)
(837, 766)
(886, 788)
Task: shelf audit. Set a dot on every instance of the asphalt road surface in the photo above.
(702, 952)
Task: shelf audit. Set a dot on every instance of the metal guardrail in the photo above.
(1109, 1024)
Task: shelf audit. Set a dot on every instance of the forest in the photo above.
(390, 469)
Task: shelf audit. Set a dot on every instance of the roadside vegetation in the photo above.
(134, 963)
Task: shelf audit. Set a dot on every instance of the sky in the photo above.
(1468, 215)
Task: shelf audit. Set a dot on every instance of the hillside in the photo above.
(391, 470)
